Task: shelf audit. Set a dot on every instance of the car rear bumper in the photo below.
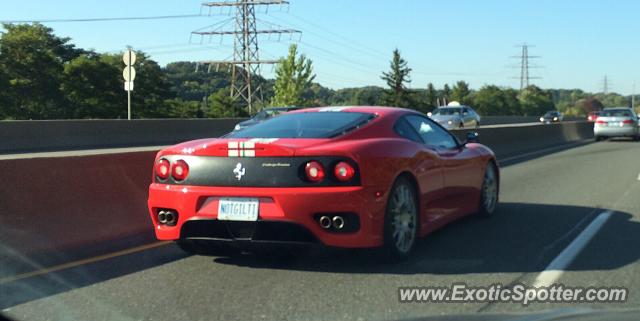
(286, 215)
(611, 131)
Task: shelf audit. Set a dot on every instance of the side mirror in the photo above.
(472, 137)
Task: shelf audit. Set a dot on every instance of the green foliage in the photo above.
(92, 84)
(179, 108)
(461, 93)
(431, 96)
(396, 79)
(294, 75)
(446, 92)
(491, 100)
(534, 101)
(222, 105)
(32, 59)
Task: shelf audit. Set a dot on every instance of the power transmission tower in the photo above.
(605, 85)
(525, 65)
(246, 62)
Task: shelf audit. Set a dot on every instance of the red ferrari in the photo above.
(352, 177)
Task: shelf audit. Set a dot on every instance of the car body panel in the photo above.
(448, 180)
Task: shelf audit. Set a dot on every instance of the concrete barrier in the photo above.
(49, 135)
(56, 135)
(509, 141)
(84, 203)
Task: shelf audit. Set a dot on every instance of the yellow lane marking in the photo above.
(81, 262)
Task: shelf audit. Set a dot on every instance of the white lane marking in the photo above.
(639, 177)
(556, 268)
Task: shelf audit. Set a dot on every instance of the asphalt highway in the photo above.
(547, 201)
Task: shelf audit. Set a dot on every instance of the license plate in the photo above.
(615, 123)
(238, 209)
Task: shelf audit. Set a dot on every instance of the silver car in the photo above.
(455, 117)
(617, 122)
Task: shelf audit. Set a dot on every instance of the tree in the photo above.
(179, 108)
(431, 96)
(222, 105)
(33, 59)
(446, 93)
(396, 79)
(93, 87)
(294, 75)
(491, 100)
(461, 92)
(535, 101)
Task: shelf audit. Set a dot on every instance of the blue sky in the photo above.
(350, 41)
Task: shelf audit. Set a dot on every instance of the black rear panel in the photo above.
(257, 171)
(246, 231)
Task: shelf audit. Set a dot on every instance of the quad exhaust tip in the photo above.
(325, 222)
(338, 222)
(167, 217)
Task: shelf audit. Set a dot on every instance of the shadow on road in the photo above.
(519, 238)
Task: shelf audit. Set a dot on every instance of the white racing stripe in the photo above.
(556, 268)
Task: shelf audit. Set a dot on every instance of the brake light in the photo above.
(314, 171)
(343, 171)
(627, 121)
(162, 169)
(180, 170)
(600, 121)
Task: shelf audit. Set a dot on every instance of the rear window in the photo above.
(305, 125)
(447, 111)
(616, 113)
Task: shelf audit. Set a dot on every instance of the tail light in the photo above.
(600, 121)
(180, 170)
(590, 118)
(343, 171)
(163, 169)
(314, 171)
(627, 121)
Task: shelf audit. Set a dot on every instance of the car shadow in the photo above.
(519, 238)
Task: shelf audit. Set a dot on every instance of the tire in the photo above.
(205, 248)
(489, 191)
(477, 124)
(401, 221)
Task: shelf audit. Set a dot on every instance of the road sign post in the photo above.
(129, 74)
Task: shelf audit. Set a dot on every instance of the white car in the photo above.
(456, 116)
(617, 122)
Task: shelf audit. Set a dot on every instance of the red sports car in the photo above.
(352, 177)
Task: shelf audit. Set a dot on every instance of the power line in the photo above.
(102, 19)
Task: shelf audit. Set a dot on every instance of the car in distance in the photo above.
(456, 116)
(552, 116)
(616, 122)
(350, 177)
(592, 116)
(263, 115)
